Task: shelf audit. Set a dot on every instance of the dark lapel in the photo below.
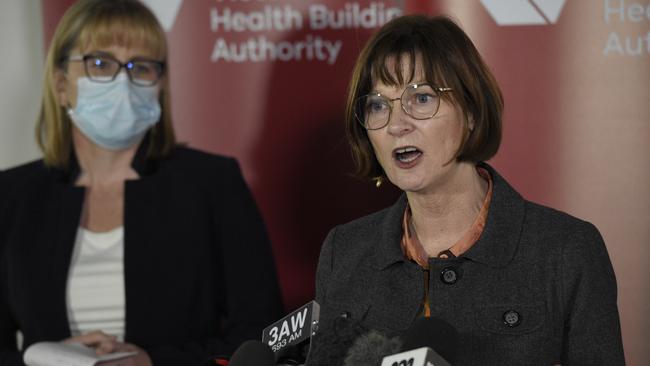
(64, 209)
(400, 280)
(142, 204)
(498, 243)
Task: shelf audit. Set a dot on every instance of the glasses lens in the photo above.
(101, 68)
(375, 110)
(144, 72)
(420, 101)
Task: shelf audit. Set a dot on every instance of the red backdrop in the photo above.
(574, 75)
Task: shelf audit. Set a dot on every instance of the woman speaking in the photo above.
(521, 283)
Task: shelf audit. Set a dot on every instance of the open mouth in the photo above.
(407, 154)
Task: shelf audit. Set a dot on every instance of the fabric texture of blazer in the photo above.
(537, 288)
(198, 266)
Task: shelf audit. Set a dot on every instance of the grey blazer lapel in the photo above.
(398, 282)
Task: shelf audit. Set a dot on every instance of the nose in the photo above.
(399, 123)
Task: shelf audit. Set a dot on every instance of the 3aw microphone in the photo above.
(288, 336)
(424, 356)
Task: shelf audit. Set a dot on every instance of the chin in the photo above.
(408, 185)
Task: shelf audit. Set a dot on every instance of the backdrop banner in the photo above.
(265, 81)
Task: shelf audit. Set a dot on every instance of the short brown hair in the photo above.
(449, 59)
(100, 23)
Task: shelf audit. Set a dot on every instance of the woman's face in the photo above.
(67, 80)
(417, 155)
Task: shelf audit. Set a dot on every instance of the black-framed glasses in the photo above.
(103, 68)
(420, 101)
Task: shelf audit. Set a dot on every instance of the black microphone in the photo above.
(252, 353)
(333, 339)
(424, 356)
(370, 348)
(420, 341)
(433, 333)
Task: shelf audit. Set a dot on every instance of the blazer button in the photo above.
(449, 275)
(511, 318)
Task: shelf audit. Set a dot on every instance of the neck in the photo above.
(441, 216)
(102, 167)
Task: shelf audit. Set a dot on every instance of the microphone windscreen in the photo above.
(370, 348)
(253, 353)
(331, 343)
(434, 333)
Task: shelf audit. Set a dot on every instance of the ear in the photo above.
(59, 83)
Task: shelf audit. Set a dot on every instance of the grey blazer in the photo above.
(537, 288)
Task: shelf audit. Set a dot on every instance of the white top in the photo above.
(95, 294)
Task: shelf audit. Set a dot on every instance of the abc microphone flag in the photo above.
(424, 356)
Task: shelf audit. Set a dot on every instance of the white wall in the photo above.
(21, 51)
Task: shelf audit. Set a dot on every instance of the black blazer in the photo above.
(537, 288)
(198, 267)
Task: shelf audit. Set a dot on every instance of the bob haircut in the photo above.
(449, 60)
(88, 25)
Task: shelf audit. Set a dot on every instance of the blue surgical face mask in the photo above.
(115, 115)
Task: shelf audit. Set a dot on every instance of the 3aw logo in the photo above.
(524, 12)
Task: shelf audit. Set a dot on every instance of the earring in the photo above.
(378, 181)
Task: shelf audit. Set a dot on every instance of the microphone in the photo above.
(420, 340)
(334, 338)
(289, 337)
(433, 333)
(424, 356)
(252, 353)
(370, 348)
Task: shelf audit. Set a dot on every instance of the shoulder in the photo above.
(550, 221)
(363, 226)
(24, 185)
(347, 248)
(534, 223)
(193, 159)
(32, 169)
(534, 234)
(575, 241)
(188, 164)
(361, 230)
(562, 235)
(28, 175)
(371, 239)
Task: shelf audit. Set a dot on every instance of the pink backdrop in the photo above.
(574, 75)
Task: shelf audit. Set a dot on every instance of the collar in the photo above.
(495, 247)
(143, 165)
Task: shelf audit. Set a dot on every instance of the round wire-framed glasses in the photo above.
(420, 101)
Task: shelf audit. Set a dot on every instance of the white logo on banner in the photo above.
(524, 12)
(270, 27)
(636, 40)
(165, 10)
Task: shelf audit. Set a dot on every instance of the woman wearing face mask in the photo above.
(522, 284)
(118, 238)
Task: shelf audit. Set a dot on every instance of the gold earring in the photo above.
(378, 181)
